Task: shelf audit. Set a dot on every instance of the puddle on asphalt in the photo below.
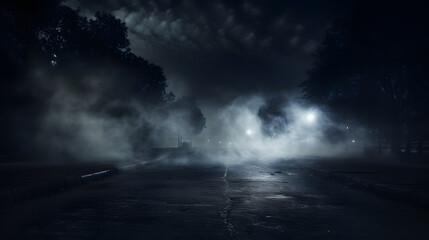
(279, 196)
(261, 178)
(189, 204)
(267, 226)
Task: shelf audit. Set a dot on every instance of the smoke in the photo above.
(89, 125)
(260, 129)
(98, 117)
(82, 124)
(181, 119)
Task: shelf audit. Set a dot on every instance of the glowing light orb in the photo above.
(353, 141)
(310, 117)
(249, 132)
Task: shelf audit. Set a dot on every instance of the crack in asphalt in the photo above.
(226, 212)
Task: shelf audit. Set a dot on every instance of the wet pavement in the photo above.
(405, 174)
(21, 174)
(250, 201)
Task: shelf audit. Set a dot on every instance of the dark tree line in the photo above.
(273, 116)
(46, 44)
(373, 66)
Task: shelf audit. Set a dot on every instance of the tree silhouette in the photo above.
(189, 117)
(372, 67)
(48, 47)
(273, 117)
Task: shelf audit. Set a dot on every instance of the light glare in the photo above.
(311, 117)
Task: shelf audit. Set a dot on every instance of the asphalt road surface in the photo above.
(251, 201)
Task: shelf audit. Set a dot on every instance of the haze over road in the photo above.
(249, 201)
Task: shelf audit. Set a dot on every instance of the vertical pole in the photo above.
(178, 141)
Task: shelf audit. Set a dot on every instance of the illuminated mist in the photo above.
(294, 130)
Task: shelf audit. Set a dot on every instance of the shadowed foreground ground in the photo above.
(252, 201)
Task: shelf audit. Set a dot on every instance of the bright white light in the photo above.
(353, 141)
(249, 132)
(311, 117)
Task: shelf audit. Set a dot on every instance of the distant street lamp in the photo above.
(310, 117)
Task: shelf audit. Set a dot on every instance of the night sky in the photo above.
(216, 51)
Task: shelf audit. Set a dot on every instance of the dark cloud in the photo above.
(217, 50)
